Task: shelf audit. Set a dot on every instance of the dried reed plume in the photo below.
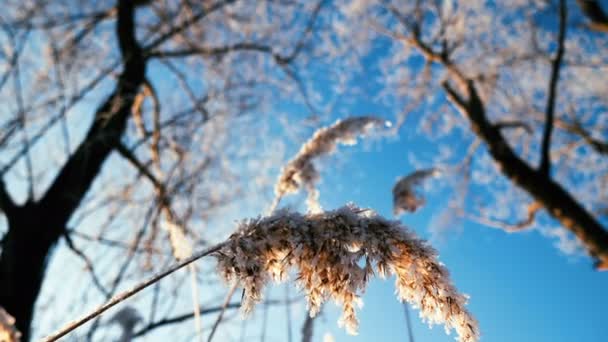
(301, 172)
(8, 331)
(327, 249)
(405, 196)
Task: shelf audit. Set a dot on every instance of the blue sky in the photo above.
(521, 287)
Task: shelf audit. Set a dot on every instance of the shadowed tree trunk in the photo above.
(36, 226)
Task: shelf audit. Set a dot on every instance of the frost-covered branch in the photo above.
(545, 162)
(531, 211)
(463, 92)
(594, 12)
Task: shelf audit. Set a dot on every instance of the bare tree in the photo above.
(160, 88)
(525, 87)
(125, 124)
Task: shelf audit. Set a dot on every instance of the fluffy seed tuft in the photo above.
(327, 250)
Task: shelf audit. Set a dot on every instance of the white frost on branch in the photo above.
(327, 249)
(180, 245)
(301, 172)
(405, 196)
(8, 331)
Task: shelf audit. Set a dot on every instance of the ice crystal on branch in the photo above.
(405, 196)
(8, 331)
(301, 172)
(327, 250)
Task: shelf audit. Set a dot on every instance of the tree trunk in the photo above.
(35, 227)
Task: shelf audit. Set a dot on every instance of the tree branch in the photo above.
(184, 317)
(186, 24)
(217, 322)
(77, 175)
(532, 210)
(514, 124)
(558, 202)
(247, 46)
(308, 328)
(88, 263)
(545, 163)
(551, 195)
(576, 128)
(114, 243)
(38, 226)
(69, 327)
(594, 12)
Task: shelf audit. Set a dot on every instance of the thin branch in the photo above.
(61, 97)
(125, 265)
(576, 128)
(18, 91)
(69, 327)
(196, 300)
(181, 318)
(532, 210)
(59, 20)
(288, 313)
(72, 102)
(214, 51)
(129, 156)
(408, 322)
(507, 124)
(545, 163)
(186, 24)
(89, 27)
(217, 322)
(184, 317)
(307, 328)
(264, 319)
(113, 243)
(18, 50)
(89, 264)
(301, 42)
(246, 46)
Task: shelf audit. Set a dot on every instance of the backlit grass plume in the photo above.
(327, 250)
(8, 331)
(405, 196)
(335, 254)
(300, 172)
